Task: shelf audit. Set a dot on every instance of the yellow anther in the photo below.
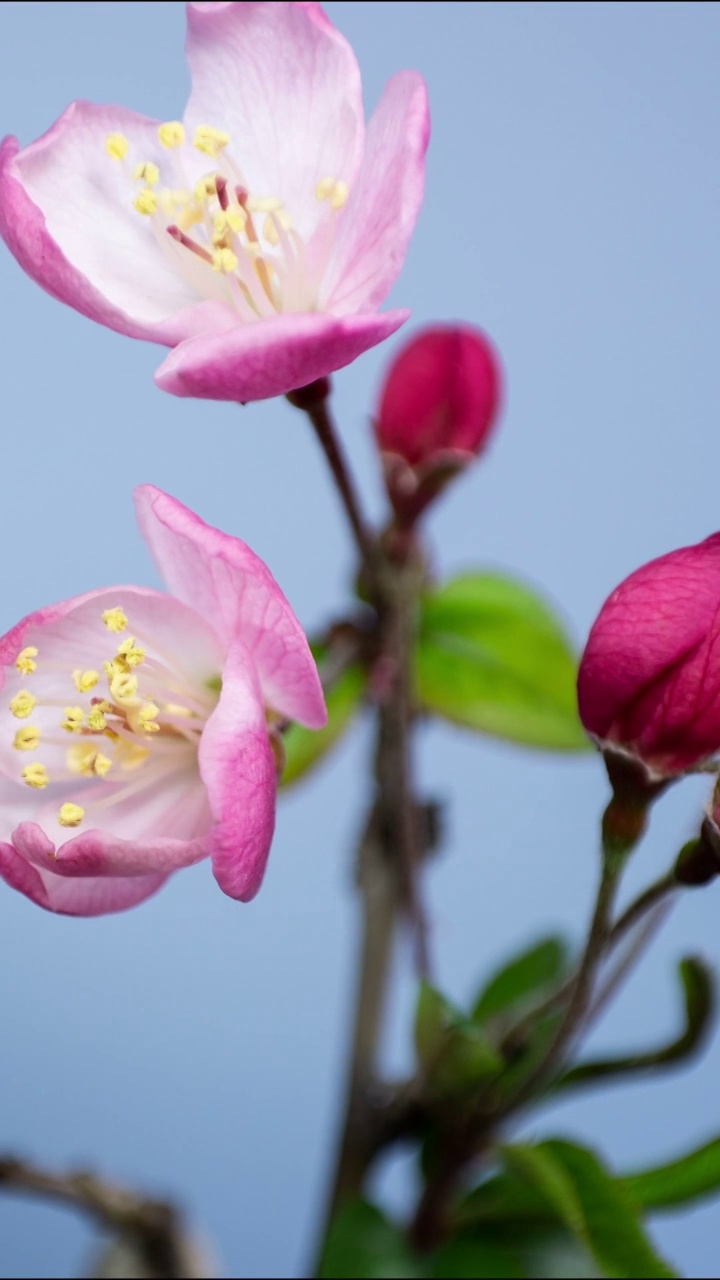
(86, 680)
(236, 220)
(36, 776)
(206, 188)
(27, 739)
(270, 232)
(131, 653)
(96, 720)
(340, 195)
(88, 762)
(190, 218)
(115, 620)
(71, 815)
(117, 146)
(210, 141)
(74, 719)
(147, 717)
(25, 664)
(129, 756)
(225, 261)
(324, 189)
(334, 190)
(171, 134)
(146, 202)
(123, 689)
(23, 705)
(117, 667)
(147, 173)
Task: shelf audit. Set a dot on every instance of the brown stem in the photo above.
(154, 1226)
(313, 400)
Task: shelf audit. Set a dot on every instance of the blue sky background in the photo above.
(194, 1046)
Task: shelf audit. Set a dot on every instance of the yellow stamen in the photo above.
(225, 261)
(174, 709)
(71, 815)
(74, 718)
(115, 620)
(36, 776)
(130, 653)
(117, 667)
(96, 720)
(25, 664)
(147, 716)
(88, 762)
(264, 204)
(206, 188)
(123, 689)
(210, 141)
(270, 231)
(324, 189)
(146, 202)
(171, 134)
(27, 739)
(129, 756)
(147, 173)
(86, 680)
(23, 705)
(340, 195)
(117, 146)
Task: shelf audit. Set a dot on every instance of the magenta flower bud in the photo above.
(649, 680)
(437, 409)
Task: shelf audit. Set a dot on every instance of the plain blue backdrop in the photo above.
(194, 1046)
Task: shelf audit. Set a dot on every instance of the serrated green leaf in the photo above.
(682, 1182)
(596, 1208)
(525, 980)
(492, 656)
(305, 748)
(363, 1245)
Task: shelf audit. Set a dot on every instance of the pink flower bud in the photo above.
(649, 680)
(437, 410)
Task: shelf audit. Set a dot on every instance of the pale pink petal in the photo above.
(159, 830)
(239, 771)
(379, 218)
(286, 86)
(272, 357)
(82, 896)
(66, 213)
(231, 587)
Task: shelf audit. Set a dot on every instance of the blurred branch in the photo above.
(155, 1227)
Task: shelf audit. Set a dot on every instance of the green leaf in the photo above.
(455, 1053)
(597, 1210)
(492, 656)
(305, 748)
(683, 1181)
(526, 980)
(477, 1255)
(363, 1245)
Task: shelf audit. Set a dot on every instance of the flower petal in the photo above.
(66, 213)
(286, 86)
(82, 896)
(238, 768)
(380, 216)
(234, 590)
(272, 357)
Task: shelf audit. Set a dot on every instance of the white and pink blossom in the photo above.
(136, 727)
(258, 236)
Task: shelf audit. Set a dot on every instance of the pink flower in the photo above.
(134, 732)
(437, 410)
(649, 680)
(259, 236)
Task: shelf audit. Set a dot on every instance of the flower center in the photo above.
(133, 715)
(229, 243)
